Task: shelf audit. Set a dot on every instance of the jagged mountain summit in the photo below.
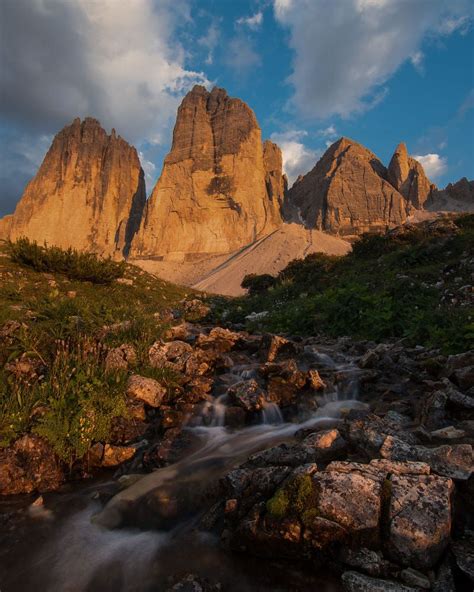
(88, 193)
(407, 176)
(220, 188)
(346, 193)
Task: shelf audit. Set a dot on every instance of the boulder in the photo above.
(419, 519)
(29, 464)
(120, 358)
(356, 582)
(147, 390)
(248, 395)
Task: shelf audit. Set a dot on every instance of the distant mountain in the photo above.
(88, 193)
(220, 188)
(220, 206)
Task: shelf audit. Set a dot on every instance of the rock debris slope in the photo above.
(89, 193)
(220, 189)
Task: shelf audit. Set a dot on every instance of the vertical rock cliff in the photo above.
(219, 190)
(346, 193)
(89, 193)
(407, 176)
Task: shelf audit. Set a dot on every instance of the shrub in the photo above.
(72, 263)
(258, 284)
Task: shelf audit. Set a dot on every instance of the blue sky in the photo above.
(378, 71)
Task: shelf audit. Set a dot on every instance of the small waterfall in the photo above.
(212, 413)
(271, 414)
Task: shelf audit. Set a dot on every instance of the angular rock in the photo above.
(356, 582)
(88, 193)
(144, 389)
(108, 455)
(120, 358)
(29, 464)
(419, 519)
(248, 395)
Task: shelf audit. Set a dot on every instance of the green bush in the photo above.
(257, 284)
(74, 264)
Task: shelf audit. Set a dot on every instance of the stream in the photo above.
(87, 540)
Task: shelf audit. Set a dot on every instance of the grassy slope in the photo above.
(74, 399)
(417, 285)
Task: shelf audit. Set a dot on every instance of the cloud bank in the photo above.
(298, 159)
(433, 164)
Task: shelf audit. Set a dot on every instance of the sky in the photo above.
(377, 71)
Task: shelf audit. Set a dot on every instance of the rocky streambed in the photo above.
(278, 464)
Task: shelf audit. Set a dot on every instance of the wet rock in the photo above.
(131, 427)
(120, 358)
(29, 464)
(174, 445)
(356, 582)
(234, 417)
(315, 380)
(327, 445)
(274, 346)
(419, 519)
(144, 389)
(444, 581)
(108, 455)
(248, 395)
(283, 455)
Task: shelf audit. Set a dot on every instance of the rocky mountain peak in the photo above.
(88, 193)
(346, 193)
(215, 194)
(407, 176)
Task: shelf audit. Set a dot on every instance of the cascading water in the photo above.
(86, 552)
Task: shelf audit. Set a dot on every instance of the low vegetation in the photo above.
(415, 284)
(57, 324)
(73, 264)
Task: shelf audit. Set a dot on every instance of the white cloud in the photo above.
(149, 168)
(252, 22)
(209, 41)
(346, 50)
(328, 132)
(298, 159)
(434, 164)
(118, 61)
(417, 61)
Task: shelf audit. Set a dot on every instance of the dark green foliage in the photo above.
(404, 284)
(71, 263)
(257, 284)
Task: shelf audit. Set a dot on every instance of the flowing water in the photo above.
(81, 545)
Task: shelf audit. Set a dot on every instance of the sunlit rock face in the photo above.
(408, 176)
(346, 193)
(220, 188)
(88, 194)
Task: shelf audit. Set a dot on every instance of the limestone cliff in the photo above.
(407, 176)
(456, 197)
(346, 193)
(89, 193)
(219, 189)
